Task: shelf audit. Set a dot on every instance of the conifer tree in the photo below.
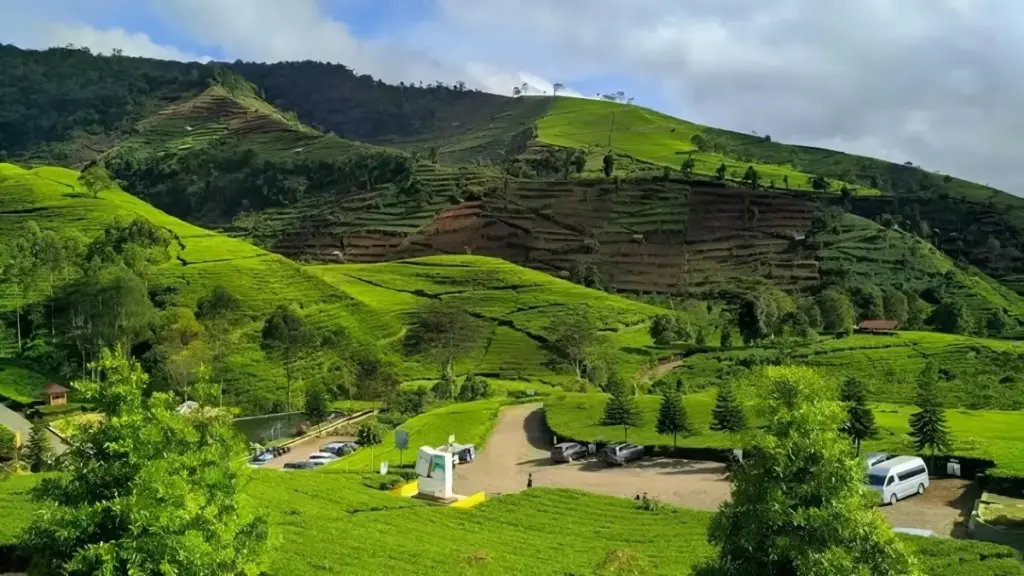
(38, 452)
(928, 424)
(727, 415)
(860, 420)
(672, 416)
(621, 409)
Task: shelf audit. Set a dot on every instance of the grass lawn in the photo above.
(19, 382)
(470, 422)
(540, 531)
(989, 434)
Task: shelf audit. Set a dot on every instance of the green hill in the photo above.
(369, 303)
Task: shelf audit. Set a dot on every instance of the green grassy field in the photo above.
(540, 531)
(470, 422)
(20, 382)
(517, 304)
(988, 434)
(976, 372)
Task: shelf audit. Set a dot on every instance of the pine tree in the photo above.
(38, 453)
(672, 416)
(860, 420)
(621, 409)
(727, 414)
(928, 424)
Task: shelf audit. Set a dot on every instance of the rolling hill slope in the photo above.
(370, 303)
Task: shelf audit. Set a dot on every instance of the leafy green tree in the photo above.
(138, 245)
(997, 322)
(38, 452)
(896, 307)
(573, 340)
(759, 316)
(836, 310)
(474, 387)
(917, 311)
(370, 435)
(751, 177)
(148, 489)
(95, 179)
(721, 170)
(672, 416)
(688, 166)
(797, 503)
(285, 337)
(785, 181)
(579, 161)
(727, 414)
(928, 425)
(810, 310)
(860, 420)
(622, 409)
(725, 338)
(317, 404)
(869, 302)
(666, 329)
(8, 445)
(443, 331)
(951, 316)
(609, 165)
(218, 303)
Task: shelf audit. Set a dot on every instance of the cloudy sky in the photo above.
(936, 82)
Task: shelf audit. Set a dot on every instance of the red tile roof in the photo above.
(880, 325)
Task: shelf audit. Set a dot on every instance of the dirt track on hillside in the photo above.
(521, 442)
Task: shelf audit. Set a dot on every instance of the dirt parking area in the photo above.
(520, 445)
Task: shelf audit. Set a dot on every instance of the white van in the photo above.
(898, 478)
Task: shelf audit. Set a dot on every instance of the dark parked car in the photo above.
(262, 458)
(568, 451)
(304, 465)
(340, 449)
(621, 453)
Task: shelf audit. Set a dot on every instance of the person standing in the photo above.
(529, 481)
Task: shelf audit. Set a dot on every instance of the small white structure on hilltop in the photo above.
(435, 469)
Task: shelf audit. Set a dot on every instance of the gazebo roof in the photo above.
(53, 389)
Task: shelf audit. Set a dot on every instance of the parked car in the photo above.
(898, 478)
(261, 458)
(322, 456)
(340, 449)
(304, 464)
(621, 453)
(568, 451)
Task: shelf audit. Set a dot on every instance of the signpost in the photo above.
(401, 442)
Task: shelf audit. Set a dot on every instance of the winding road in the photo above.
(19, 424)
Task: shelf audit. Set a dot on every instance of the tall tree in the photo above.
(869, 302)
(896, 307)
(38, 452)
(443, 331)
(621, 409)
(556, 87)
(316, 407)
(687, 167)
(721, 170)
(797, 503)
(951, 316)
(751, 177)
(728, 414)
(286, 338)
(917, 311)
(147, 489)
(609, 165)
(573, 339)
(836, 310)
(928, 424)
(666, 329)
(95, 179)
(672, 416)
(370, 435)
(860, 420)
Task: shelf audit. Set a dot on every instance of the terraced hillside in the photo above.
(370, 303)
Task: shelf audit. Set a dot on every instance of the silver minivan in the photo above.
(898, 478)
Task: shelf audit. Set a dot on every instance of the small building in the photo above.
(878, 326)
(55, 395)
